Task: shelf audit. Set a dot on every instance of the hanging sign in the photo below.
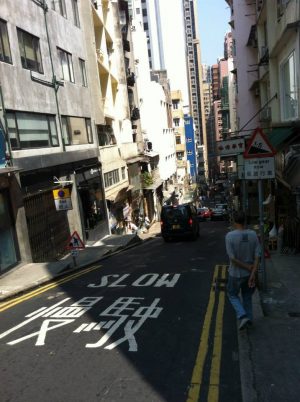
(75, 242)
(62, 199)
(259, 146)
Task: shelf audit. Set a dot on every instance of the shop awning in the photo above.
(280, 136)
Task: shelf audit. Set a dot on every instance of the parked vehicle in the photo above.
(219, 213)
(204, 213)
(179, 220)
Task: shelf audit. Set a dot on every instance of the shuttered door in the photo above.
(48, 229)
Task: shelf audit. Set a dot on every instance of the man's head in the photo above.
(239, 218)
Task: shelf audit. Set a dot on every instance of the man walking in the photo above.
(243, 250)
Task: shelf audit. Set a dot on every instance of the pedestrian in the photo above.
(243, 249)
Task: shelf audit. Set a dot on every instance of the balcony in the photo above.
(126, 45)
(264, 56)
(131, 80)
(135, 114)
(151, 180)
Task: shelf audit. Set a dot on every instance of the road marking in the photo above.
(214, 382)
(6, 305)
(197, 375)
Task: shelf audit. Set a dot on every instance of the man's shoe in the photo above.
(244, 322)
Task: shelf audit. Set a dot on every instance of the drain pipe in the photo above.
(55, 83)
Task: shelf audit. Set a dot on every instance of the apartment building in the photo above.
(196, 91)
(49, 121)
(180, 137)
(268, 90)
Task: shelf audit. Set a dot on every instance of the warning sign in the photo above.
(74, 242)
(259, 146)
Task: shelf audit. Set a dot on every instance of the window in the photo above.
(188, 140)
(66, 64)
(30, 51)
(176, 122)
(144, 11)
(83, 72)
(59, 5)
(138, 11)
(5, 54)
(123, 173)
(75, 13)
(111, 178)
(146, 27)
(175, 104)
(31, 130)
(178, 140)
(190, 153)
(76, 130)
(106, 135)
(289, 88)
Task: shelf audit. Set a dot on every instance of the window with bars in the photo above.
(5, 54)
(67, 72)
(30, 52)
(111, 178)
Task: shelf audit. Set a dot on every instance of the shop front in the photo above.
(92, 203)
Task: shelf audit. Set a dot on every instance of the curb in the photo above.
(68, 269)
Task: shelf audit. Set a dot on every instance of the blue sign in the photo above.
(2, 149)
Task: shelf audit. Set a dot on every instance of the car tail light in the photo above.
(190, 221)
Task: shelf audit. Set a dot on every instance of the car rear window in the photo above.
(177, 212)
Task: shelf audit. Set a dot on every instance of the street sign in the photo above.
(259, 146)
(259, 168)
(230, 147)
(74, 242)
(62, 199)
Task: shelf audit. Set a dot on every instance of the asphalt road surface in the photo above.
(149, 324)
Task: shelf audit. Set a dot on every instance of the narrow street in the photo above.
(128, 331)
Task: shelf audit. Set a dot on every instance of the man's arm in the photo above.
(242, 264)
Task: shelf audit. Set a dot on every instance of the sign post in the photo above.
(74, 244)
(259, 165)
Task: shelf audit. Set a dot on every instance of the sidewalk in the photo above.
(29, 276)
(270, 351)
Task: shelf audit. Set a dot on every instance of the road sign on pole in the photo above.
(75, 242)
(259, 146)
(259, 168)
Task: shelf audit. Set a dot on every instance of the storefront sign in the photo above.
(259, 168)
(2, 150)
(230, 147)
(62, 199)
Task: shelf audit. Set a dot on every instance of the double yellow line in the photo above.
(197, 376)
(6, 305)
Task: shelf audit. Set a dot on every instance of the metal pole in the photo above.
(262, 234)
(244, 195)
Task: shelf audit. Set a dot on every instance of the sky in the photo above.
(213, 24)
